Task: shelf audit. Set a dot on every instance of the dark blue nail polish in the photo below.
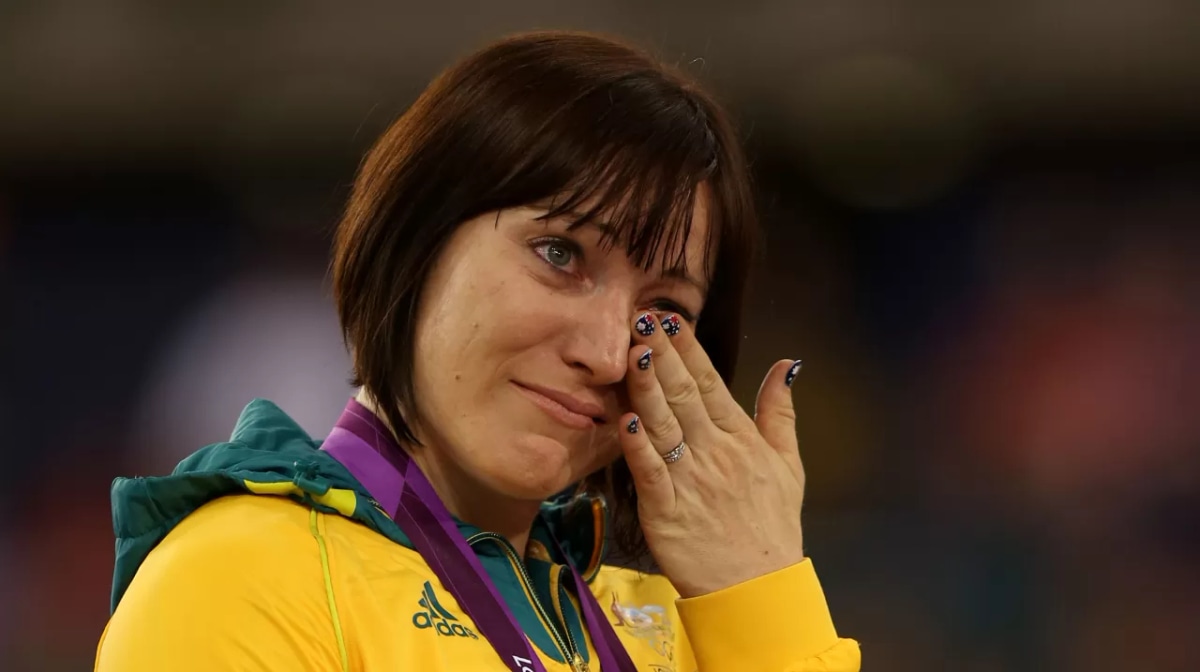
(644, 360)
(632, 427)
(670, 324)
(645, 325)
(791, 374)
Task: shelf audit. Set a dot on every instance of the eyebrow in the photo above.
(605, 228)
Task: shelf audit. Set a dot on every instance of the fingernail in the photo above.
(644, 360)
(645, 325)
(632, 427)
(791, 374)
(670, 324)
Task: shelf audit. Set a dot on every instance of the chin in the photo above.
(534, 467)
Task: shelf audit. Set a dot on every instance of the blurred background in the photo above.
(984, 240)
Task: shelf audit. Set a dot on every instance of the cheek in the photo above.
(476, 323)
(623, 402)
(606, 448)
(444, 333)
(455, 314)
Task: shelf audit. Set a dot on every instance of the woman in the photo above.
(520, 276)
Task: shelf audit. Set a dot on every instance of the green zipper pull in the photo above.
(578, 664)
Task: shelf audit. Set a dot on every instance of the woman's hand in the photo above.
(728, 509)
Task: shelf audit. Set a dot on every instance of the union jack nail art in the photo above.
(791, 374)
(644, 360)
(632, 427)
(645, 325)
(670, 324)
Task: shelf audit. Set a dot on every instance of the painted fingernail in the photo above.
(791, 374)
(670, 324)
(644, 360)
(645, 324)
(633, 425)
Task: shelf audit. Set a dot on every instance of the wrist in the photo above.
(746, 572)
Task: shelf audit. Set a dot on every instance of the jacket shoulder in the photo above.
(250, 532)
(241, 573)
(234, 547)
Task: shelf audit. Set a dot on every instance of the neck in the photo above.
(472, 502)
(464, 496)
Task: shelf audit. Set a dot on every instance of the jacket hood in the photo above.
(269, 454)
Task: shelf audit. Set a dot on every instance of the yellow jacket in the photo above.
(262, 553)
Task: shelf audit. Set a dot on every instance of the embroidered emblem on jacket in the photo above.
(433, 615)
(650, 624)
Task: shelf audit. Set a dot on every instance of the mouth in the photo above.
(564, 408)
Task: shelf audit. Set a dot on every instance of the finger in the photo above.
(678, 389)
(657, 420)
(651, 477)
(723, 409)
(774, 412)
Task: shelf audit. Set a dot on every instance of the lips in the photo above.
(565, 408)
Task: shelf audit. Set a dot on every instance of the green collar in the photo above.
(268, 453)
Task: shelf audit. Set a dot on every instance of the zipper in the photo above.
(564, 641)
(577, 663)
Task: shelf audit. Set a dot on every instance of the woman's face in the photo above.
(522, 344)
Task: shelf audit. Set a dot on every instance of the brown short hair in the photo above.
(584, 120)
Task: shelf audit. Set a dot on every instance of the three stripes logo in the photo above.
(433, 615)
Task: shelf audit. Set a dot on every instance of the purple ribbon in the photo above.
(362, 443)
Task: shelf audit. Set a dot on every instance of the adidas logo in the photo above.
(433, 615)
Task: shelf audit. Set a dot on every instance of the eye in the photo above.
(560, 253)
(668, 306)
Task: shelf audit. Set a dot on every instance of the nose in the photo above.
(599, 343)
